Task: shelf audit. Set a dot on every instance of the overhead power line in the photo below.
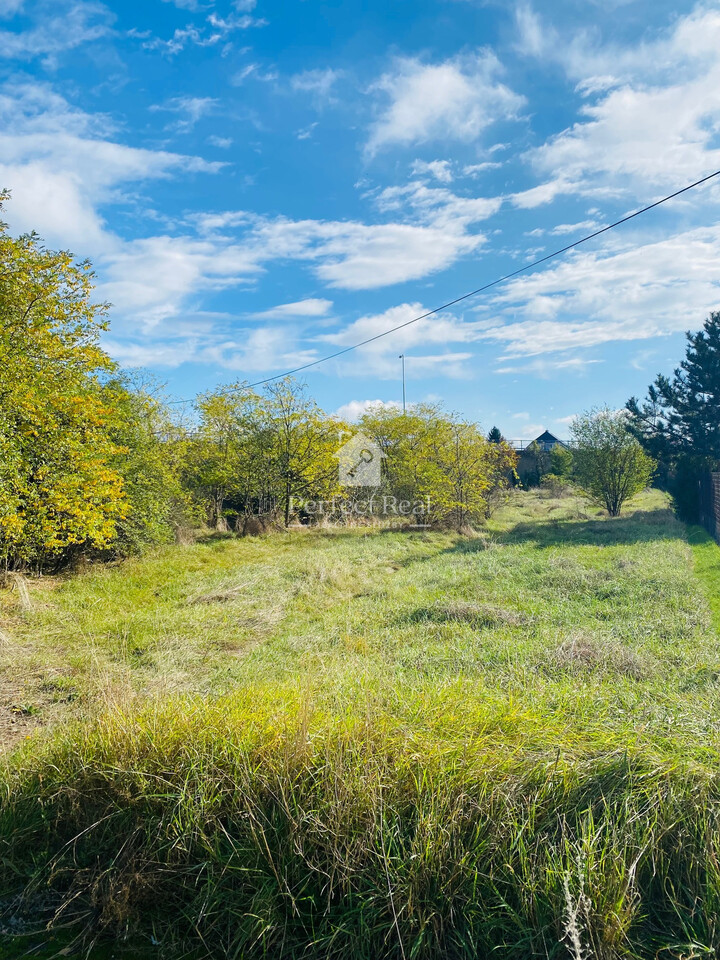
(479, 290)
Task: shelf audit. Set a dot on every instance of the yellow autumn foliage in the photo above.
(59, 487)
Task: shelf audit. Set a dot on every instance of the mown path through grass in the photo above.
(362, 744)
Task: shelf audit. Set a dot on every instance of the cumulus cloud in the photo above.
(62, 164)
(453, 100)
(655, 113)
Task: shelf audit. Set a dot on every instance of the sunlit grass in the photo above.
(368, 744)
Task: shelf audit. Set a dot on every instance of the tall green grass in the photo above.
(243, 830)
(439, 747)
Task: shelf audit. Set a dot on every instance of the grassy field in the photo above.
(363, 744)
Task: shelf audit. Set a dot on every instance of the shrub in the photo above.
(610, 465)
(555, 486)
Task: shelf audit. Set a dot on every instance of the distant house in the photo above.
(546, 441)
(534, 457)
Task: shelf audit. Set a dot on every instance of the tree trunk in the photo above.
(287, 503)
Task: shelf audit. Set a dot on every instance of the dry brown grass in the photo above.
(583, 651)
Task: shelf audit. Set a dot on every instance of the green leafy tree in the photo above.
(610, 464)
(253, 449)
(301, 442)
(561, 461)
(221, 462)
(441, 460)
(534, 464)
(679, 422)
(152, 450)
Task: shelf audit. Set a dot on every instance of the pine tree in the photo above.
(681, 416)
(495, 436)
(679, 422)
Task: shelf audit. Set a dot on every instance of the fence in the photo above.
(710, 503)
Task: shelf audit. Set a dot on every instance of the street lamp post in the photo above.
(402, 357)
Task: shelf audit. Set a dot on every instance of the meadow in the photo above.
(370, 743)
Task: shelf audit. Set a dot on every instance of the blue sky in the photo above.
(262, 183)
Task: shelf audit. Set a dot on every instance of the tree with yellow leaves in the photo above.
(65, 469)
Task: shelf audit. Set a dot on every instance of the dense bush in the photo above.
(609, 463)
(81, 468)
(277, 452)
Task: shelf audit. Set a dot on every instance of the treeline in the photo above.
(93, 462)
(278, 454)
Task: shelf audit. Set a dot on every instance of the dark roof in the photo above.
(548, 437)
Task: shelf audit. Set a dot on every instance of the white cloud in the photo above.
(61, 167)
(627, 293)
(312, 307)
(440, 169)
(528, 431)
(543, 193)
(256, 350)
(209, 34)
(191, 109)
(473, 169)
(70, 26)
(657, 112)
(306, 132)
(583, 226)
(425, 343)
(360, 256)
(8, 8)
(350, 254)
(254, 72)
(260, 349)
(453, 100)
(151, 279)
(438, 206)
(352, 411)
(319, 83)
(223, 143)
(546, 369)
